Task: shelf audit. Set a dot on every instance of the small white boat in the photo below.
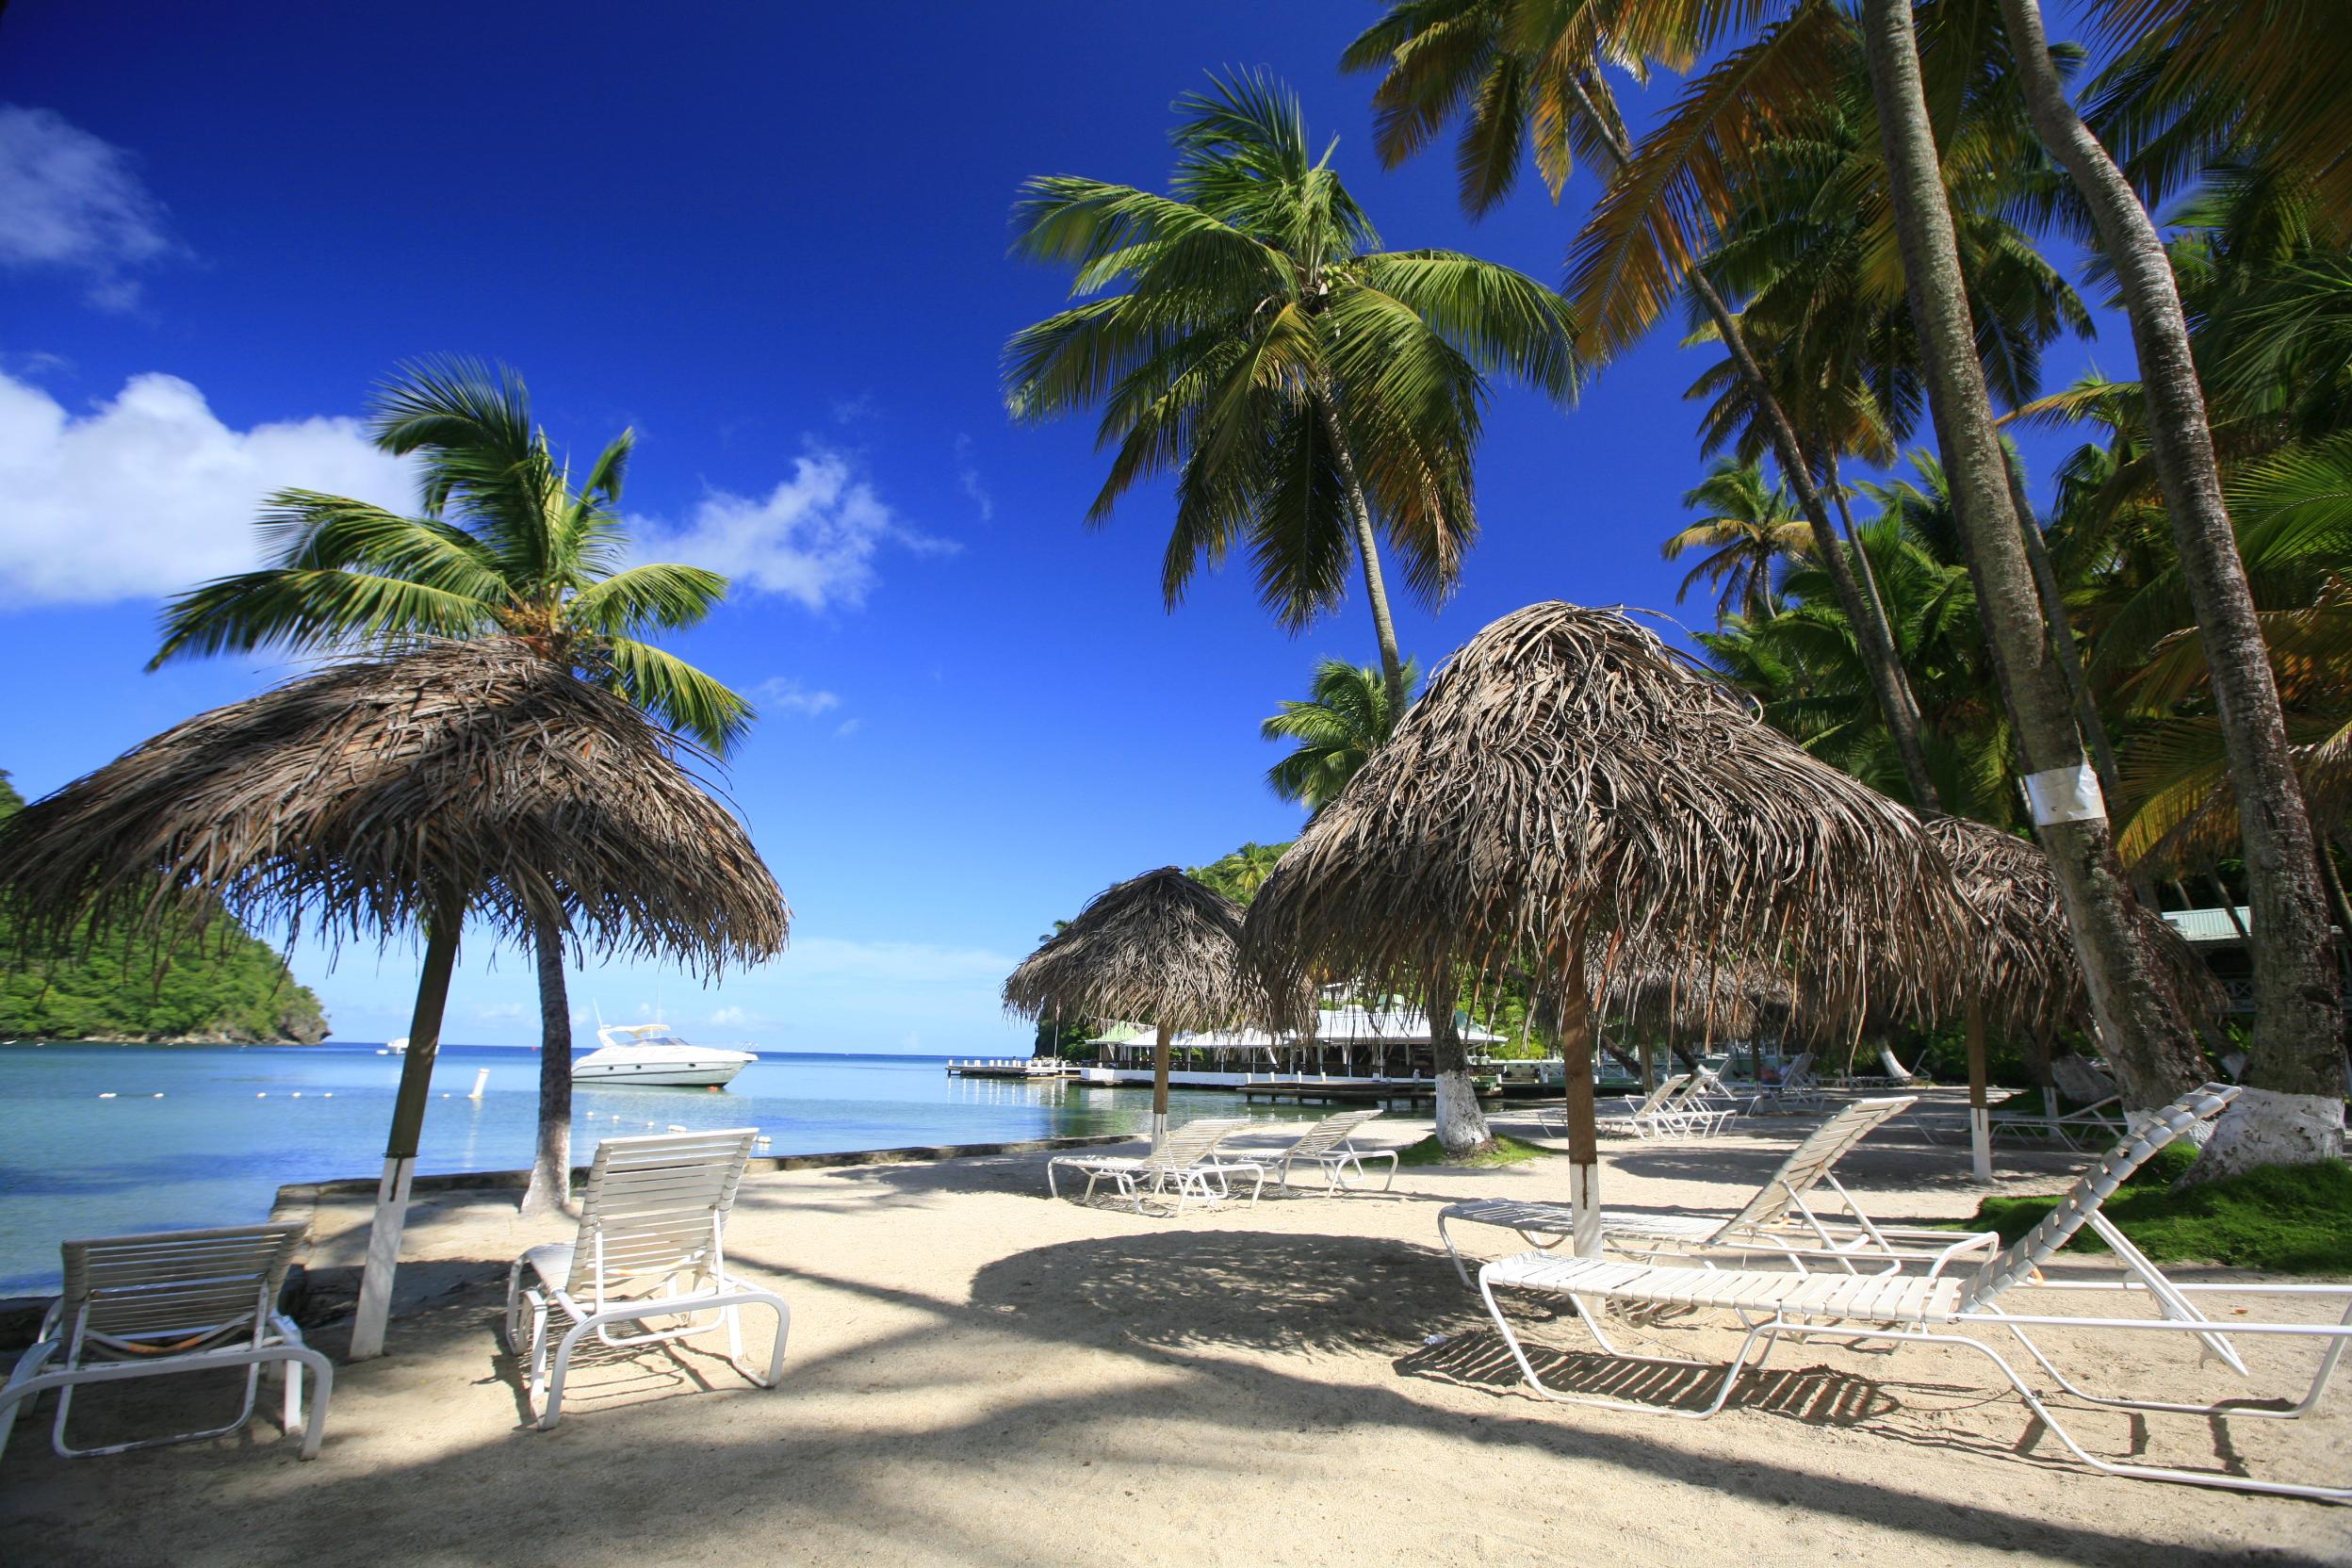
(394, 1047)
(653, 1054)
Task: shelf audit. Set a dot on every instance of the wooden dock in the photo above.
(1034, 1070)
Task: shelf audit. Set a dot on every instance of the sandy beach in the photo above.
(978, 1375)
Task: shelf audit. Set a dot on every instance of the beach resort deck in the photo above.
(979, 1375)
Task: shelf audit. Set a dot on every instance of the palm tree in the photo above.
(1747, 530)
(2297, 1054)
(503, 546)
(1639, 247)
(1804, 664)
(1310, 391)
(2148, 1040)
(1525, 76)
(1346, 720)
(1239, 875)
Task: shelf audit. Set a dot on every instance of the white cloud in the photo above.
(814, 538)
(968, 476)
(737, 1018)
(782, 693)
(73, 202)
(151, 493)
(500, 1012)
(849, 727)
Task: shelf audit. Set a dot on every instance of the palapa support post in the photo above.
(1980, 1115)
(408, 1122)
(1584, 1138)
(1159, 1085)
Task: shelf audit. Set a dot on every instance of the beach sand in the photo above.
(978, 1375)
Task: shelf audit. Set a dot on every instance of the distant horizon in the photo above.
(466, 1045)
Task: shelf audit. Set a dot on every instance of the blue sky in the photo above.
(775, 246)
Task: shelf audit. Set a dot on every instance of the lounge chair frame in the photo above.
(1930, 1309)
(2085, 1126)
(1649, 1116)
(169, 1302)
(654, 1210)
(1186, 1159)
(1778, 1221)
(1799, 1087)
(1328, 1145)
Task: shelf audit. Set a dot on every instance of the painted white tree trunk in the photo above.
(1584, 1197)
(1461, 1125)
(383, 1257)
(2265, 1127)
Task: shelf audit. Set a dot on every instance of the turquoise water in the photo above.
(234, 1124)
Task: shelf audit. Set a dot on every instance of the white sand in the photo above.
(979, 1376)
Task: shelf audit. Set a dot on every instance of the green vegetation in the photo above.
(220, 983)
(2278, 1219)
(1239, 875)
(1350, 715)
(1308, 390)
(1500, 1150)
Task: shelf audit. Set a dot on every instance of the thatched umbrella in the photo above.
(2022, 972)
(461, 779)
(1160, 949)
(1569, 780)
(1670, 1001)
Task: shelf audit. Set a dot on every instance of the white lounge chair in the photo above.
(1777, 1221)
(1933, 1308)
(1797, 1088)
(1689, 1113)
(1328, 1145)
(1644, 1117)
(2086, 1126)
(652, 1244)
(169, 1302)
(1184, 1160)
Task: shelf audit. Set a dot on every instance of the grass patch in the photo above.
(1505, 1150)
(2282, 1219)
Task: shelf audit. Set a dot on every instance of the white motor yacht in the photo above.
(652, 1054)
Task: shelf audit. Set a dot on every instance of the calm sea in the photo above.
(206, 1135)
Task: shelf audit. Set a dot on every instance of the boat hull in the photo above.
(686, 1075)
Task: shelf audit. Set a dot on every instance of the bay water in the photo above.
(102, 1139)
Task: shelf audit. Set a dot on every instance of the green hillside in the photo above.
(223, 985)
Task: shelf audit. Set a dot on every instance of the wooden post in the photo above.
(408, 1122)
(1584, 1136)
(1980, 1117)
(1159, 1086)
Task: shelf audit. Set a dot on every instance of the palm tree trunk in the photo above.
(1461, 1127)
(2087, 715)
(1896, 702)
(1861, 556)
(2149, 1044)
(442, 929)
(1576, 1032)
(550, 1187)
(1368, 550)
(2294, 1108)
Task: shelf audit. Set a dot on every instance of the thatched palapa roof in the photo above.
(357, 801)
(1160, 948)
(2023, 966)
(1567, 777)
(1671, 1003)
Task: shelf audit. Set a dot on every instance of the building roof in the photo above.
(2209, 926)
